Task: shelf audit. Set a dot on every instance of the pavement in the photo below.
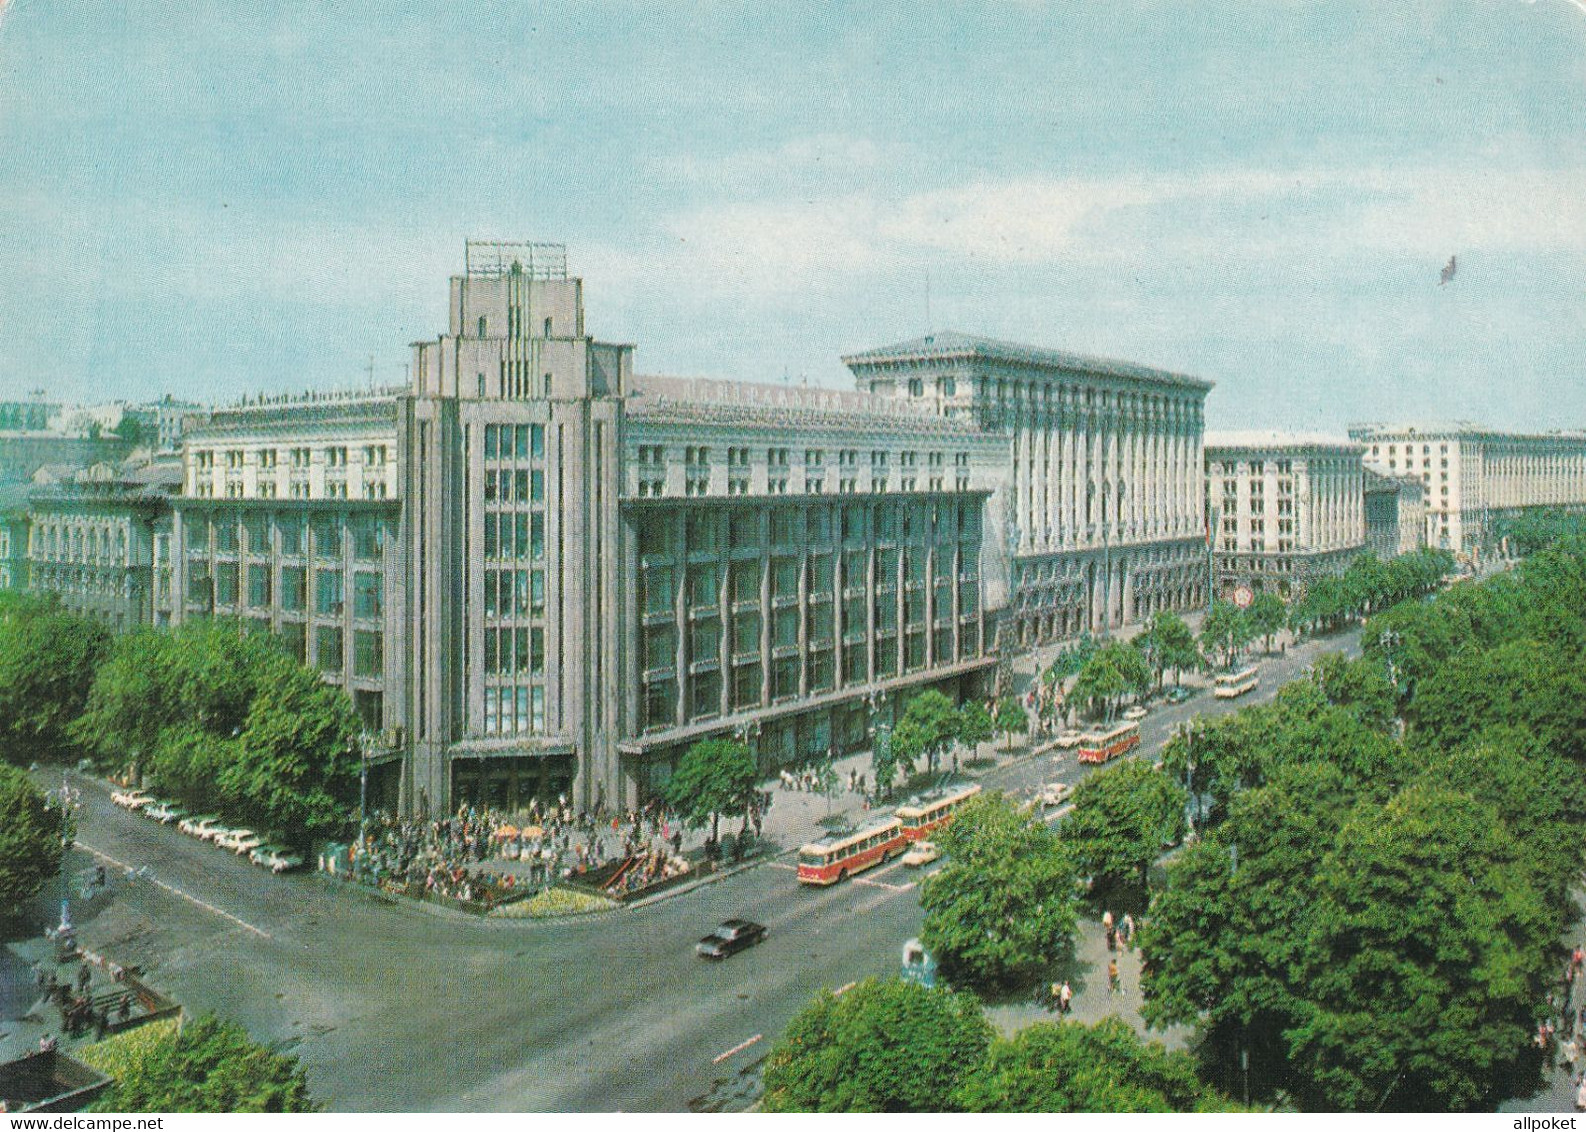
(392, 1007)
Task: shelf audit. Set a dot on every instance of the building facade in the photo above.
(1475, 478)
(1285, 509)
(1395, 510)
(1101, 505)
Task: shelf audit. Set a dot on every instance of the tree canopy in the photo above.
(47, 663)
(1004, 903)
(1124, 818)
(716, 777)
(1011, 718)
(209, 1065)
(1113, 671)
(883, 1046)
(930, 725)
(1225, 630)
(32, 835)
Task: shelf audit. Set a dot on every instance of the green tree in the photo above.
(1224, 630)
(1124, 818)
(1267, 615)
(974, 725)
(929, 726)
(1072, 1067)
(715, 777)
(209, 1065)
(131, 431)
(1003, 905)
(1173, 644)
(1112, 671)
(1011, 719)
(33, 832)
(883, 759)
(884, 1046)
(47, 665)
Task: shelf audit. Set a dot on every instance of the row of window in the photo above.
(335, 456)
(704, 531)
(515, 442)
(292, 535)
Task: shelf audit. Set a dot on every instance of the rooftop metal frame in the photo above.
(534, 261)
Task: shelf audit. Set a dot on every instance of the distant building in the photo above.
(1286, 509)
(1100, 504)
(32, 415)
(1475, 477)
(1395, 510)
(13, 536)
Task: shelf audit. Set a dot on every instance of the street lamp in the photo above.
(365, 742)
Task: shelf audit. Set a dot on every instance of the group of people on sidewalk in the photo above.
(1571, 1023)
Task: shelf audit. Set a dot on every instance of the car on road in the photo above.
(164, 812)
(1178, 694)
(1069, 739)
(202, 826)
(1054, 793)
(275, 858)
(731, 936)
(1138, 711)
(923, 853)
(131, 799)
(240, 841)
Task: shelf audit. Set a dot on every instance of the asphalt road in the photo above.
(395, 1008)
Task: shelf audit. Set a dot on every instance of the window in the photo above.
(259, 587)
(327, 593)
(368, 594)
(367, 654)
(293, 588)
(482, 326)
(327, 646)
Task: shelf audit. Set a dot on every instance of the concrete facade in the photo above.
(1101, 505)
(1395, 510)
(1476, 477)
(1286, 509)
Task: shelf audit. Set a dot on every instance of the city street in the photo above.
(394, 1007)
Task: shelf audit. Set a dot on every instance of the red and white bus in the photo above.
(1100, 746)
(1235, 684)
(931, 811)
(838, 855)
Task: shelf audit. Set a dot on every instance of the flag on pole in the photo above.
(1448, 270)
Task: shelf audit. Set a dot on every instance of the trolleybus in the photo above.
(841, 854)
(930, 811)
(1236, 684)
(1100, 746)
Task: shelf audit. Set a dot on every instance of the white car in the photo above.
(276, 859)
(164, 812)
(131, 799)
(240, 841)
(201, 825)
(923, 853)
(1139, 711)
(1070, 739)
(1054, 793)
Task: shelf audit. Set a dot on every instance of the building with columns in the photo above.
(1395, 508)
(1475, 478)
(1101, 506)
(1286, 509)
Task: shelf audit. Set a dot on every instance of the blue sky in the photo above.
(226, 197)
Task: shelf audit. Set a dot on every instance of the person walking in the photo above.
(1128, 931)
(1065, 998)
(1114, 981)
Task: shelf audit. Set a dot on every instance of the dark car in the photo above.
(1178, 694)
(733, 935)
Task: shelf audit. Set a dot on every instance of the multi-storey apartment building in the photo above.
(1395, 510)
(91, 540)
(1285, 509)
(1475, 477)
(1101, 509)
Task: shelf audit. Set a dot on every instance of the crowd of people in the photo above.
(76, 1002)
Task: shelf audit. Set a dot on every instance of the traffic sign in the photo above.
(1243, 597)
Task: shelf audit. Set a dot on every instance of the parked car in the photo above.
(240, 841)
(1178, 694)
(201, 826)
(1054, 793)
(1069, 739)
(731, 936)
(131, 799)
(275, 858)
(923, 853)
(1138, 711)
(164, 812)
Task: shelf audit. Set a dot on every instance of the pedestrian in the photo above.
(1114, 981)
(1571, 1052)
(1106, 918)
(1112, 938)
(1580, 1094)
(1128, 931)
(1065, 998)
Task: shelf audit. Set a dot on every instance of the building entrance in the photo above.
(510, 784)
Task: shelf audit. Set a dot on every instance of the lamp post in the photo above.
(365, 741)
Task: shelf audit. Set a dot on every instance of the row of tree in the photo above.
(932, 727)
(892, 1046)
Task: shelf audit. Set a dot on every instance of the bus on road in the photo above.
(841, 854)
(1236, 684)
(929, 811)
(1101, 746)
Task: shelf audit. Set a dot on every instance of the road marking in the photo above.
(884, 884)
(844, 989)
(1060, 813)
(784, 865)
(173, 890)
(739, 1048)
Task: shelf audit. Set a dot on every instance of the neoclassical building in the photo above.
(1286, 509)
(1474, 477)
(1101, 504)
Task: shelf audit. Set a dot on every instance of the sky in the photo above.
(220, 198)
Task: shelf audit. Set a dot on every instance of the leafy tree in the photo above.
(47, 664)
(883, 759)
(929, 726)
(1266, 616)
(1522, 683)
(1072, 1067)
(33, 833)
(1173, 644)
(1224, 630)
(131, 431)
(209, 1065)
(974, 725)
(1114, 670)
(1004, 902)
(715, 777)
(1124, 818)
(884, 1046)
(1011, 719)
